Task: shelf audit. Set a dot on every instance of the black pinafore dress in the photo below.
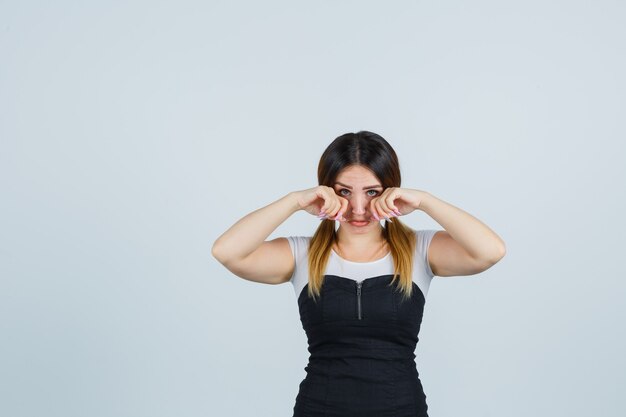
(361, 338)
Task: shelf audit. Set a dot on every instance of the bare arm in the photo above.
(242, 249)
(245, 236)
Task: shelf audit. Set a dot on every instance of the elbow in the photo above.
(502, 250)
(499, 254)
(493, 256)
(225, 259)
(215, 252)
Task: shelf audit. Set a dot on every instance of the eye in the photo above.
(371, 195)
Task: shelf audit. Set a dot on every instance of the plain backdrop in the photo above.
(134, 133)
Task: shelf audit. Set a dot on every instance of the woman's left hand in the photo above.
(395, 201)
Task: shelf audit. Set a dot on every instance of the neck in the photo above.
(360, 241)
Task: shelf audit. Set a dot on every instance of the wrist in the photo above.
(425, 199)
(292, 198)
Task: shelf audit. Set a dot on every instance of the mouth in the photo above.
(359, 222)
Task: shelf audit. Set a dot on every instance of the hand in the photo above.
(322, 198)
(395, 201)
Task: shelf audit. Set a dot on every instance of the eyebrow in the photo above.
(365, 188)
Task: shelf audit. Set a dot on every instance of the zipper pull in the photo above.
(358, 298)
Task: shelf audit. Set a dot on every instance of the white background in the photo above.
(134, 133)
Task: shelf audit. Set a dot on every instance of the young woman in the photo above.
(361, 286)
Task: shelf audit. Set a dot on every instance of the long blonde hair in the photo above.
(371, 151)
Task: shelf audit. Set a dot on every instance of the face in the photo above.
(359, 186)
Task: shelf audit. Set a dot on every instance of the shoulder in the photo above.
(299, 248)
(423, 239)
(299, 245)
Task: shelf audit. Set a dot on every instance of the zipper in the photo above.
(358, 297)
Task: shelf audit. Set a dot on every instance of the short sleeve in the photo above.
(293, 244)
(299, 248)
(424, 238)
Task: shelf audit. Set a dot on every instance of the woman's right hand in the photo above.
(322, 198)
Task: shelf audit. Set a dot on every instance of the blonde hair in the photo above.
(371, 151)
(401, 240)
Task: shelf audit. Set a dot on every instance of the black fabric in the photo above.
(362, 360)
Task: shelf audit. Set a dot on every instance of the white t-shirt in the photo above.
(422, 274)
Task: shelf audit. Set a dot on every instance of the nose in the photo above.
(359, 205)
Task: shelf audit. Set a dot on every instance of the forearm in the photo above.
(478, 239)
(245, 236)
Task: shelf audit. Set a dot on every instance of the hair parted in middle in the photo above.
(371, 151)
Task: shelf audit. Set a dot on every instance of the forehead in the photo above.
(357, 176)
